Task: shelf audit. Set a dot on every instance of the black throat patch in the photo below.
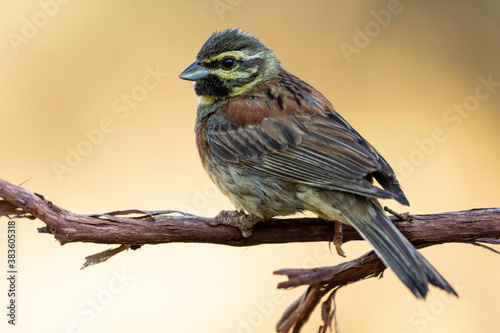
(211, 85)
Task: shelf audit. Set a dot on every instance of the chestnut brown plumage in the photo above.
(275, 146)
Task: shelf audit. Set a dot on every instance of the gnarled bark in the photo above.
(132, 228)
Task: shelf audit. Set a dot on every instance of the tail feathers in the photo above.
(398, 253)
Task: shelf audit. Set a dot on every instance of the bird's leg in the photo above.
(237, 219)
(338, 237)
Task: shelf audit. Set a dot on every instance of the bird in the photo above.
(275, 146)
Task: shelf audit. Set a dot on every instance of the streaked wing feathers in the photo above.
(298, 151)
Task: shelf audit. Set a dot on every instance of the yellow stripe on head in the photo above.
(236, 54)
(230, 74)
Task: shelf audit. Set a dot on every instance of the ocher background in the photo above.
(395, 91)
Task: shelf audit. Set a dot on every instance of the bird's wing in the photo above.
(308, 146)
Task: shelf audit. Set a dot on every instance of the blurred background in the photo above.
(93, 116)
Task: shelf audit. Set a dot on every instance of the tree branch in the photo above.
(136, 227)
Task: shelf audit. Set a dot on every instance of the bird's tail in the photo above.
(395, 250)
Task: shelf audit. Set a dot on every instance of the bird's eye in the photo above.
(228, 62)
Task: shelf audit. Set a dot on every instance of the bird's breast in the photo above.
(257, 193)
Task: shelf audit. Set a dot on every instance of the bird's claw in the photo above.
(338, 237)
(237, 219)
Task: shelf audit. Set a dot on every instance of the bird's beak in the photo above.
(194, 72)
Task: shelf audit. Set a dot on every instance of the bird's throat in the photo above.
(207, 100)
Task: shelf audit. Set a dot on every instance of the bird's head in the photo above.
(230, 63)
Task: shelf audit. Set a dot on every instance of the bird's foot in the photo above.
(238, 219)
(338, 237)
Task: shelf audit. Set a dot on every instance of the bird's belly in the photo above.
(257, 193)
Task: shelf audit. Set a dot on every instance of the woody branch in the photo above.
(137, 227)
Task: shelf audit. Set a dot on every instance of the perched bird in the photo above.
(275, 146)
